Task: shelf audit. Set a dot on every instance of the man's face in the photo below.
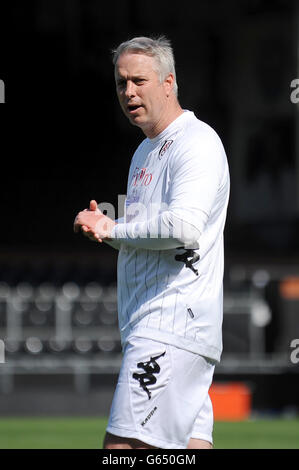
(142, 97)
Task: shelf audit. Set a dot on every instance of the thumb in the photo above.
(93, 205)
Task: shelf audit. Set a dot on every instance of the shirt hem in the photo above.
(181, 342)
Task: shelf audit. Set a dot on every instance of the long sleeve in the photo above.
(163, 232)
(194, 182)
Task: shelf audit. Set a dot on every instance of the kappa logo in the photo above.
(147, 378)
(164, 147)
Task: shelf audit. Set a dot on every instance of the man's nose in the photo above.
(130, 89)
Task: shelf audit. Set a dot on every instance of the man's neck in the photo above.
(164, 122)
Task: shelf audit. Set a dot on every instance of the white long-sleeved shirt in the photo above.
(177, 197)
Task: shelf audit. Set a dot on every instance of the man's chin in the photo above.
(137, 121)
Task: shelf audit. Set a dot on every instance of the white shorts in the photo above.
(161, 396)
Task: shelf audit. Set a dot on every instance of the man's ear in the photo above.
(168, 83)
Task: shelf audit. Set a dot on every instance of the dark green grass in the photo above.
(88, 433)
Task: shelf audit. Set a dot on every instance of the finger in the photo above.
(93, 205)
(97, 238)
(93, 237)
(89, 233)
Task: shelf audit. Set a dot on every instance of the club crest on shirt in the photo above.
(164, 147)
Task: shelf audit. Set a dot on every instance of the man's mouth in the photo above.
(133, 108)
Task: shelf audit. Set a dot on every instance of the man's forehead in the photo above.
(133, 62)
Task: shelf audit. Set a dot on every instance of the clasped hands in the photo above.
(93, 223)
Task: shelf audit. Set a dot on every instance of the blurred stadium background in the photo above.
(65, 142)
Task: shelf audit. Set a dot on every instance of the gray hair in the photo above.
(160, 49)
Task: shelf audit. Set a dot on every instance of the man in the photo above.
(170, 263)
